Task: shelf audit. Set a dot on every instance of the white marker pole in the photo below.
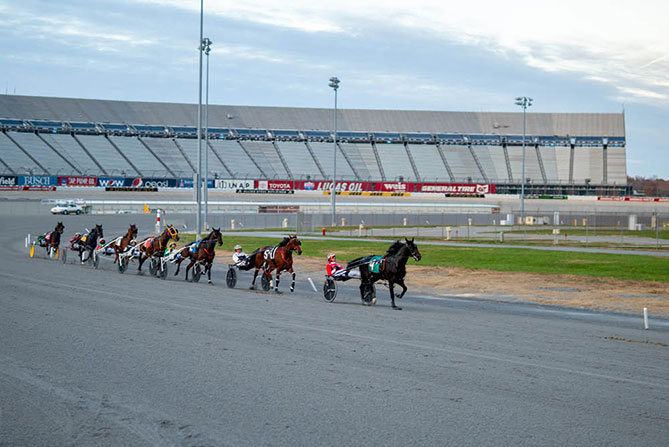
(312, 285)
(645, 318)
(25, 239)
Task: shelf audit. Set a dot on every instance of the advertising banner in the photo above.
(111, 182)
(456, 188)
(275, 185)
(140, 182)
(233, 185)
(188, 183)
(37, 180)
(393, 187)
(633, 199)
(309, 185)
(8, 181)
(77, 181)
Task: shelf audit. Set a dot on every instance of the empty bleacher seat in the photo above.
(235, 159)
(395, 162)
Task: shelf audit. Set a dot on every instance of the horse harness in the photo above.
(270, 255)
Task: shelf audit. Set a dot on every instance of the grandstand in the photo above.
(567, 153)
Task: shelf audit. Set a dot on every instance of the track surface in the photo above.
(92, 357)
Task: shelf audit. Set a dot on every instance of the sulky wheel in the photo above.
(231, 278)
(153, 267)
(197, 272)
(265, 282)
(96, 259)
(162, 270)
(329, 289)
(63, 256)
(122, 264)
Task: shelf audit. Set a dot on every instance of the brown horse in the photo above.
(203, 253)
(278, 258)
(155, 246)
(120, 245)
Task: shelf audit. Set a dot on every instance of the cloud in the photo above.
(622, 44)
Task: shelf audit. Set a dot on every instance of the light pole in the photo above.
(334, 83)
(198, 177)
(524, 102)
(207, 48)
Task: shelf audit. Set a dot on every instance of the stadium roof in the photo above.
(251, 117)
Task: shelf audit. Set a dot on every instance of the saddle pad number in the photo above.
(375, 264)
(269, 254)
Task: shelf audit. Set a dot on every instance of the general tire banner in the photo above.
(78, 181)
(456, 188)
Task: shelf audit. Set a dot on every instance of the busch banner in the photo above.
(37, 180)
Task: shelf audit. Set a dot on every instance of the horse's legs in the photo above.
(209, 271)
(115, 254)
(255, 275)
(178, 263)
(292, 284)
(391, 286)
(404, 288)
(188, 267)
(278, 278)
(141, 261)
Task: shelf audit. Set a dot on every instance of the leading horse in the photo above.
(391, 267)
(155, 246)
(278, 258)
(51, 240)
(204, 253)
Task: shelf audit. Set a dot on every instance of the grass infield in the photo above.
(630, 267)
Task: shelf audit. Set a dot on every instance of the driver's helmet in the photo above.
(102, 241)
(238, 247)
(133, 242)
(173, 245)
(331, 257)
(77, 234)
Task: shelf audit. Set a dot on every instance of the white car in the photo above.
(67, 208)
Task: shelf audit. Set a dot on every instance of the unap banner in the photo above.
(233, 185)
(78, 181)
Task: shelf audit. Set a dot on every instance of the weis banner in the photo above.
(393, 187)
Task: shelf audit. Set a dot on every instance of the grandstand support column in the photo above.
(89, 154)
(124, 156)
(216, 154)
(156, 156)
(318, 163)
(283, 160)
(350, 163)
(524, 102)
(378, 161)
(334, 83)
(541, 163)
(412, 162)
(440, 151)
(478, 162)
(46, 171)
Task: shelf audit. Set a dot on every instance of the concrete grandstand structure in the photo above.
(567, 153)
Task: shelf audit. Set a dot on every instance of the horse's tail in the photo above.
(357, 262)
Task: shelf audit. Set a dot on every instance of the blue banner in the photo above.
(37, 180)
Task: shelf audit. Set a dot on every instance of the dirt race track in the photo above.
(91, 357)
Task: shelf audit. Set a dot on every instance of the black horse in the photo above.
(89, 242)
(392, 268)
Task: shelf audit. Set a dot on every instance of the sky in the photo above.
(586, 56)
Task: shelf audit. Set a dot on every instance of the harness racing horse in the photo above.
(89, 242)
(277, 258)
(51, 240)
(204, 253)
(155, 246)
(120, 246)
(392, 268)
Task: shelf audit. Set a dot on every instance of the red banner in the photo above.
(275, 185)
(393, 187)
(456, 188)
(77, 181)
(308, 185)
(633, 199)
(27, 188)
